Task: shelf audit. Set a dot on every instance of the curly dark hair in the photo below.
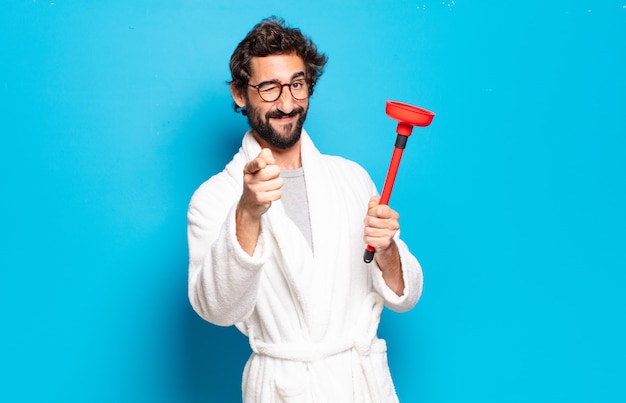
(272, 37)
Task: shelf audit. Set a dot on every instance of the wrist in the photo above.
(247, 229)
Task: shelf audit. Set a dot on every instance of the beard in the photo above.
(263, 128)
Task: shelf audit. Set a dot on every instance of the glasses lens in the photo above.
(270, 91)
(299, 89)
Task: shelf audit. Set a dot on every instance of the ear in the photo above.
(238, 97)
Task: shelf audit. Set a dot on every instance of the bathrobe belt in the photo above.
(312, 352)
(367, 321)
(309, 352)
(361, 348)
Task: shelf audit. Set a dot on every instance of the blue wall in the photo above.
(113, 112)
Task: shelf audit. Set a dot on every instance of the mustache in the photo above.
(277, 114)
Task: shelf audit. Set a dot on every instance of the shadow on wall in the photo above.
(214, 356)
(214, 360)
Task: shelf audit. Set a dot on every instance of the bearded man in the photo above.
(276, 241)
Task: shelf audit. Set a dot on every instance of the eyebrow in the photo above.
(295, 76)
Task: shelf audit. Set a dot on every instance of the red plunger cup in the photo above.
(407, 117)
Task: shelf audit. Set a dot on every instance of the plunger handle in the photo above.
(401, 140)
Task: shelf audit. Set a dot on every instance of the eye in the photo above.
(268, 86)
(297, 85)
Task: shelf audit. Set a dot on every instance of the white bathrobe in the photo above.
(311, 315)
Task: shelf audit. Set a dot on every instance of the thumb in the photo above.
(374, 201)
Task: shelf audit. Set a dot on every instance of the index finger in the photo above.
(262, 160)
(254, 166)
(383, 211)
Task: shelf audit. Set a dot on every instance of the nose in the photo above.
(285, 101)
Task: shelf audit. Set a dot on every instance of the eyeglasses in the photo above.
(270, 91)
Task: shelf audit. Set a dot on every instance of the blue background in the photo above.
(113, 112)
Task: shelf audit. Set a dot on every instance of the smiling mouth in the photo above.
(287, 118)
(278, 115)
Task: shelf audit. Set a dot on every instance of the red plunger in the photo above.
(407, 117)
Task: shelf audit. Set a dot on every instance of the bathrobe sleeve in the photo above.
(413, 281)
(411, 272)
(223, 278)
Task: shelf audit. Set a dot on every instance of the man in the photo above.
(276, 241)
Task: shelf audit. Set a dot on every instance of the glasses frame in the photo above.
(281, 85)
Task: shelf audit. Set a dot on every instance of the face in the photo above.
(278, 123)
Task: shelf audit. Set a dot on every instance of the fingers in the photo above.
(264, 159)
(262, 184)
(263, 171)
(381, 220)
(380, 210)
(381, 224)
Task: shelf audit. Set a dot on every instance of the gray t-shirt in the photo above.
(295, 202)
